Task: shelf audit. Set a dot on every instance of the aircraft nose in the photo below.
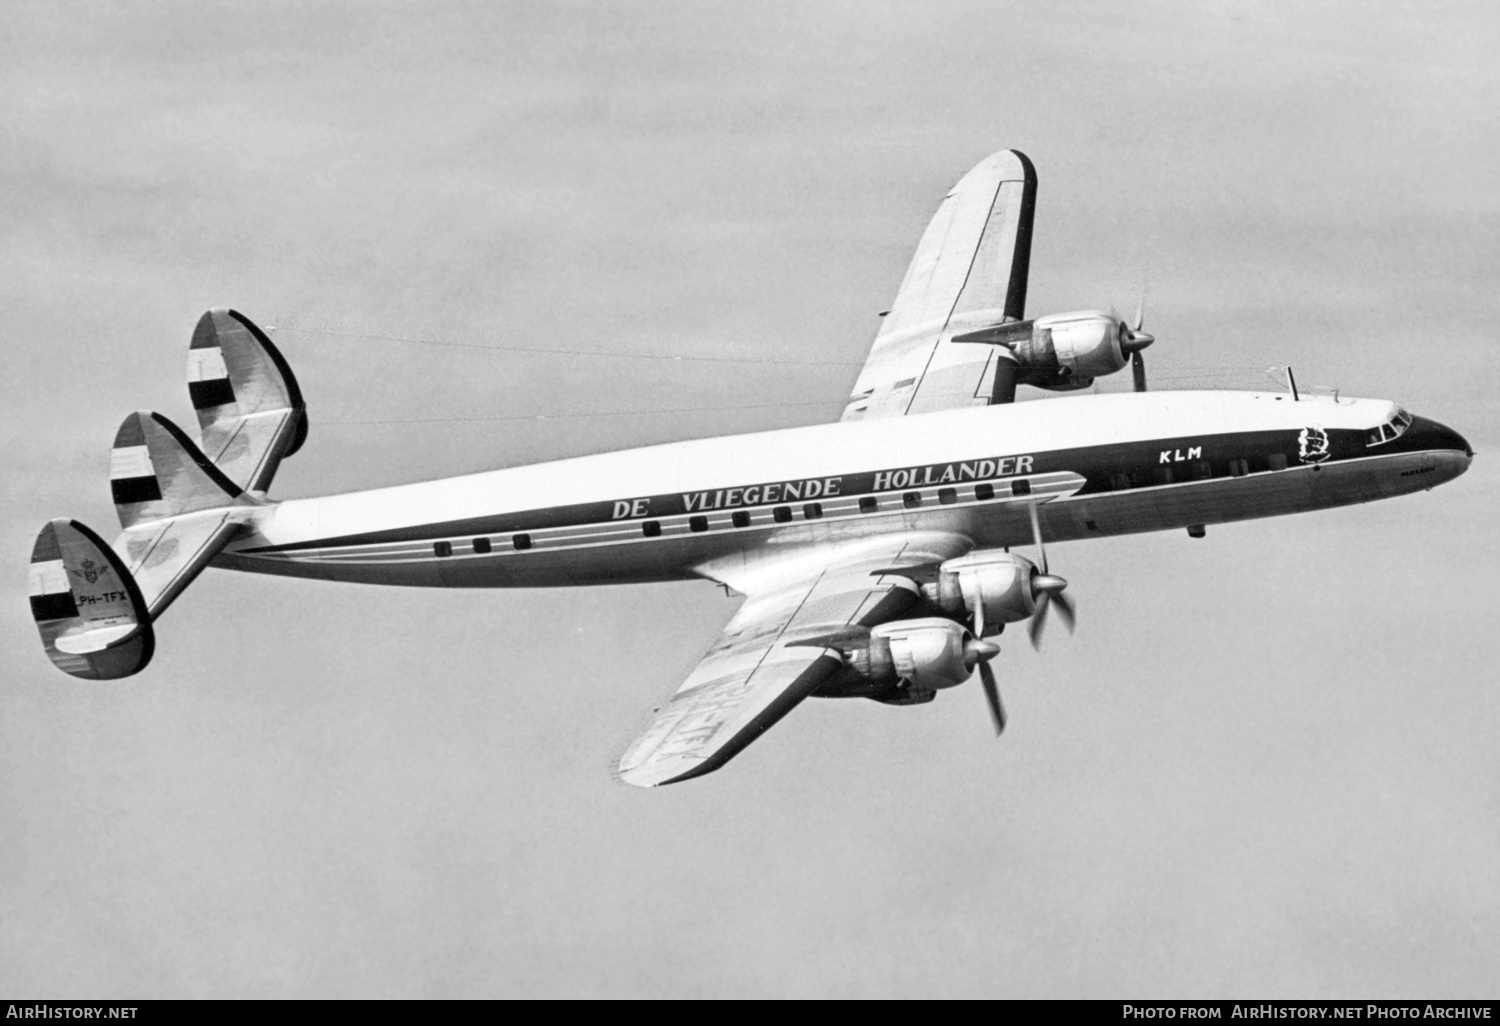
(1428, 435)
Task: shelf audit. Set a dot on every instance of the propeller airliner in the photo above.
(874, 553)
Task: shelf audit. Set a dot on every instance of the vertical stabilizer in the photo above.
(250, 410)
(86, 605)
(155, 471)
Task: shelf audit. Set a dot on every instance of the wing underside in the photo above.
(969, 272)
(762, 665)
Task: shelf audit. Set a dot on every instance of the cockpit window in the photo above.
(1392, 428)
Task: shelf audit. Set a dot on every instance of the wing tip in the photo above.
(1028, 169)
(1020, 166)
(648, 776)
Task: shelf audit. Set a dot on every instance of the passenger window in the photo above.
(1020, 487)
(651, 528)
(947, 496)
(813, 510)
(1239, 468)
(1119, 482)
(984, 492)
(781, 514)
(1162, 475)
(481, 545)
(442, 548)
(740, 518)
(521, 542)
(1201, 470)
(1276, 461)
(697, 524)
(868, 504)
(911, 500)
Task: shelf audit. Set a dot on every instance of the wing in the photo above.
(761, 666)
(969, 272)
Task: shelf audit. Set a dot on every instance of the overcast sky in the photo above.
(1264, 766)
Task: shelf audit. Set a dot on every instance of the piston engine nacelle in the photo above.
(1066, 350)
(1086, 344)
(1002, 582)
(928, 654)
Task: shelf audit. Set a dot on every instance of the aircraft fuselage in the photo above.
(1096, 466)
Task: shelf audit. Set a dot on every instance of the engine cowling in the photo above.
(906, 661)
(1086, 344)
(1064, 350)
(929, 654)
(1002, 581)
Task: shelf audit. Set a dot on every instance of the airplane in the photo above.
(874, 553)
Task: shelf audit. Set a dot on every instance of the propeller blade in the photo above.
(1133, 339)
(1036, 536)
(992, 696)
(1004, 388)
(1039, 619)
(1138, 370)
(979, 617)
(1067, 610)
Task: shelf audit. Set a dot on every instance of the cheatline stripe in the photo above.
(677, 526)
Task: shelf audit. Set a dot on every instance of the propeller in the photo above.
(978, 652)
(992, 696)
(1047, 588)
(1133, 340)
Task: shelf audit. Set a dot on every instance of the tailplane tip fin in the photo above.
(87, 607)
(156, 471)
(250, 409)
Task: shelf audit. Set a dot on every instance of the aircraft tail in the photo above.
(179, 505)
(95, 604)
(250, 409)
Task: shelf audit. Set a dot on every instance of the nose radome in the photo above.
(1428, 434)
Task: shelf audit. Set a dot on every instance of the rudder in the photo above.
(250, 409)
(155, 471)
(87, 607)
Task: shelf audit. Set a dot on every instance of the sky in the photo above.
(1265, 765)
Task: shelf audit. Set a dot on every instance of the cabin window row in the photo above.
(1194, 470)
(779, 514)
(948, 496)
(739, 518)
(519, 542)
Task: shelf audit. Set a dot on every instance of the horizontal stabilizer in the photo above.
(87, 606)
(155, 471)
(165, 555)
(250, 410)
